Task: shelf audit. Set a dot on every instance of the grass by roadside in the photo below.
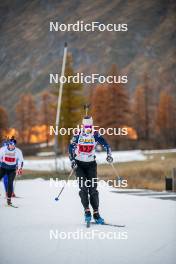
(46, 175)
(149, 174)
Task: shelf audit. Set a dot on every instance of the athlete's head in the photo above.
(87, 124)
(11, 143)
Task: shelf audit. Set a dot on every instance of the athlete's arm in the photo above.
(1, 153)
(103, 142)
(72, 147)
(20, 161)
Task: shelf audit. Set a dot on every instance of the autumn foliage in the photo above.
(3, 122)
(111, 107)
(166, 119)
(149, 119)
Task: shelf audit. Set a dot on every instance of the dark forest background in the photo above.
(146, 53)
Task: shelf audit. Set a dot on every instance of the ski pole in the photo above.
(57, 198)
(115, 171)
(16, 177)
(14, 186)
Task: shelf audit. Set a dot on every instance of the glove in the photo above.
(73, 164)
(19, 171)
(109, 159)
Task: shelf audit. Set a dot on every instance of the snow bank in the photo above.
(159, 151)
(63, 163)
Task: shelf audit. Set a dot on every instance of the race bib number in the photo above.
(9, 159)
(86, 148)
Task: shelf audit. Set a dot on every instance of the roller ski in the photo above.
(108, 224)
(100, 221)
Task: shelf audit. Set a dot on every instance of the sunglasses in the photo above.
(11, 143)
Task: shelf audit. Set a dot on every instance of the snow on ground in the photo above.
(148, 238)
(159, 151)
(64, 163)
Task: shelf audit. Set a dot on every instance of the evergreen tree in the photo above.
(72, 104)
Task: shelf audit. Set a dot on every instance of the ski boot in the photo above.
(88, 216)
(98, 219)
(13, 195)
(9, 201)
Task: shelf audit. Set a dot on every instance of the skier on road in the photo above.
(11, 159)
(5, 178)
(82, 157)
